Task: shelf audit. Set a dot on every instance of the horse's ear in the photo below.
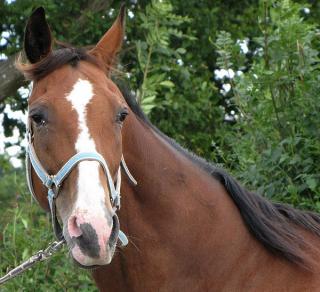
(37, 36)
(110, 44)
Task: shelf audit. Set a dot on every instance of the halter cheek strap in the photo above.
(53, 182)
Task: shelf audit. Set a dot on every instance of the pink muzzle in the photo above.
(91, 234)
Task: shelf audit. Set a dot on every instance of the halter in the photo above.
(53, 182)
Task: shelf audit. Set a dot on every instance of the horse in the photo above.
(191, 226)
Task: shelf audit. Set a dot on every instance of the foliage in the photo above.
(159, 26)
(168, 87)
(275, 140)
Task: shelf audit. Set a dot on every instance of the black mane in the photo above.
(275, 225)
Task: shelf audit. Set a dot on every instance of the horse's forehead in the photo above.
(57, 84)
(60, 82)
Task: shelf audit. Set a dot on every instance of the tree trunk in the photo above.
(10, 78)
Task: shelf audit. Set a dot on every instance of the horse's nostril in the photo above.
(115, 231)
(74, 227)
(88, 241)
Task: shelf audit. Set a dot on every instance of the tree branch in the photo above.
(10, 78)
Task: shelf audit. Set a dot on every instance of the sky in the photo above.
(13, 151)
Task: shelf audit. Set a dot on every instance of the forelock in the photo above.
(55, 60)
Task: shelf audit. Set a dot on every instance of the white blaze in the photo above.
(90, 193)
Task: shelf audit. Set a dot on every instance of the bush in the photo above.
(273, 144)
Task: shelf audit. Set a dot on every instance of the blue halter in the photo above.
(53, 182)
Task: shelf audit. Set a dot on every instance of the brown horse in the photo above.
(191, 226)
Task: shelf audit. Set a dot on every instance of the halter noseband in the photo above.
(53, 182)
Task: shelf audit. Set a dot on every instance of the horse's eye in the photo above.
(38, 119)
(122, 115)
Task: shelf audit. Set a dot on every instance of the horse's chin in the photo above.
(85, 262)
(94, 267)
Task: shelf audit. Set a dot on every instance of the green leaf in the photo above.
(148, 100)
(25, 223)
(25, 253)
(181, 51)
(312, 183)
(167, 83)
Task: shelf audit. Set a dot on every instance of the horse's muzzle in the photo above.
(92, 238)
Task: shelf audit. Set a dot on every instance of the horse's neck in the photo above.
(184, 230)
(177, 210)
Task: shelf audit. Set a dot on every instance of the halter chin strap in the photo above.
(53, 182)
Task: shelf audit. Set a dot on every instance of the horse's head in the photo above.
(74, 107)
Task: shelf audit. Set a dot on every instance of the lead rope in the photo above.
(40, 256)
(55, 246)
